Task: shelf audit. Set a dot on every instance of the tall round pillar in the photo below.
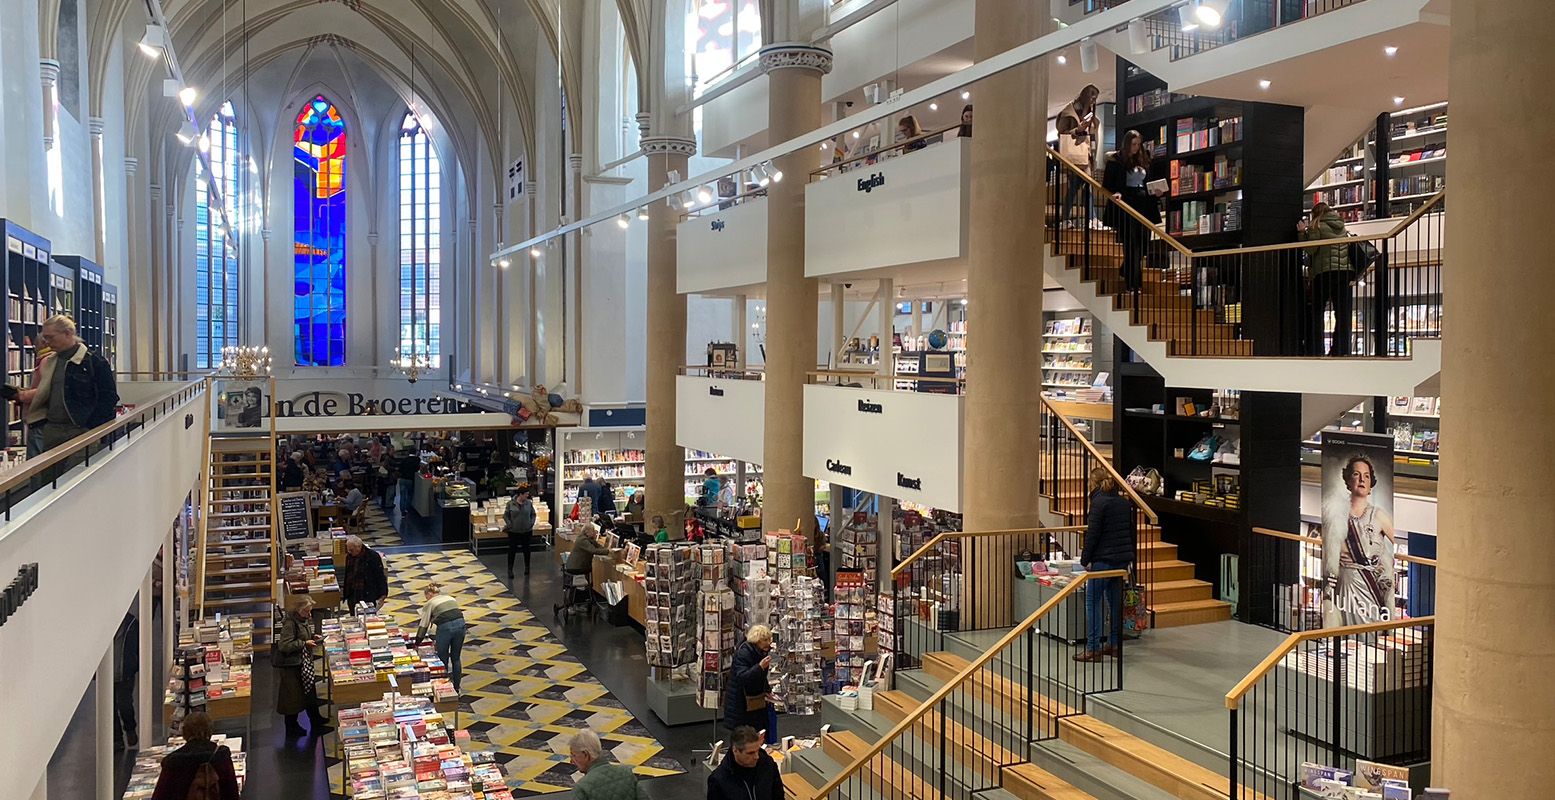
(666, 461)
(793, 108)
(1004, 294)
(1494, 707)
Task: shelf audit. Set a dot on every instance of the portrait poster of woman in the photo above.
(1358, 532)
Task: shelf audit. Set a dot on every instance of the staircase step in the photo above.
(1154, 551)
(796, 787)
(1090, 774)
(1190, 612)
(880, 772)
(1030, 782)
(1161, 592)
(945, 666)
(1161, 768)
(1158, 571)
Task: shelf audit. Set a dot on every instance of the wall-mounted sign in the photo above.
(718, 224)
(838, 467)
(870, 407)
(715, 391)
(354, 404)
(915, 484)
(869, 184)
(18, 590)
(905, 445)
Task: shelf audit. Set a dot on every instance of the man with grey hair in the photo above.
(75, 389)
(363, 578)
(601, 780)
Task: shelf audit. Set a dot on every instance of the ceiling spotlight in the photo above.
(534, 252)
(1062, 59)
(204, 143)
(703, 195)
(932, 107)
(504, 263)
(187, 133)
(187, 96)
(642, 213)
(624, 221)
(688, 200)
(966, 95)
(1138, 37)
(153, 41)
(855, 134)
(1398, 101)
(777, 174)
(1186, 18)
(1264, 84)
(1211, 12)
(1390, 51)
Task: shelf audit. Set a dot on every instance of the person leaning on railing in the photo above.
(1109, 545)
(75, 389)
(1332, 275)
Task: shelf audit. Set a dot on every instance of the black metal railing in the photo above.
(1352, 296)
(1332, 698)
(1290, 564)
(1182, 32)
(985, 716)
(42, 472)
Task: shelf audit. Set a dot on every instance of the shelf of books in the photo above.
(1415, 423)
(366, 656)
(402, 744)
(89, 300)
(111, 324)
(1068, 361)
(27, 279)
(698, 462)
(212, 671)
(1417, 167)
(623, 467)
(911, 348)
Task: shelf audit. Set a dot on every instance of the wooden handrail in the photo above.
(943, 536)
(1234, 697)
(876, 153)
(1435, 200)
(1127, 209)
(1123, 484)
(961, 677)
(1317, 541)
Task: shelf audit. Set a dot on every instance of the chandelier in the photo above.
(413, 365)
(245, 362)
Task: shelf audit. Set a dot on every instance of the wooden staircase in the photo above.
(238, 561)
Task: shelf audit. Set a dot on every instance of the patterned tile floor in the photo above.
(378, 532)
(526, 695)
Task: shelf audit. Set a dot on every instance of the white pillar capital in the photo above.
(131, 166)
(795, 55)
(575, 161)
(94, 126)
(644, 123)
(48, 70)
(264, 233)
(372, 239)
(669, 145)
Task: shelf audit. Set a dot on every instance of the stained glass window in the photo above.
(720, 34)
(215, 259)
(421, 217)
(319, 192)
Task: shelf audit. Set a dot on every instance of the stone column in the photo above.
(376, 358)
(666, 461)
(794, 74)
(1492, 722)
(1004, 276)
(572, 281)
(94, 127)
(102, 704)
(48, 73)
(134, 292)
(155, 269)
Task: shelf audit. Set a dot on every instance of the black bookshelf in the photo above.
(111, 324)
(89, 300)
(1267, 474)
(27, 273)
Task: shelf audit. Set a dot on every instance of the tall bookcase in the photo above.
(1408, 159)
(27, 275)
(89, 300)
(111, 324)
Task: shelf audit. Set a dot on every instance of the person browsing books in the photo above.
(1109, 545)
(748, 772)
(442, 612)
(199, 764)
(1332, 275)
(601, 779)
(363, 578)
(296, 646)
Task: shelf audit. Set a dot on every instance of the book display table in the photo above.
(1066, 623)
(368, 657)
(148, 764)
(1383, 696)
(403, 746)
(212, 671)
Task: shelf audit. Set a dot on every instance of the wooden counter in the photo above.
(234, 707)
(1076, 409)
(636, 594)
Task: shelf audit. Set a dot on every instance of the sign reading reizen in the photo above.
(356, 404)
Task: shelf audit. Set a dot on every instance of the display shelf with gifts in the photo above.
(1414, 422)
(212, 670)
(148, 764)
(856, 546)
(798, 644)
(403, 746)
(716, 637)
(750, 577)
(853, 622)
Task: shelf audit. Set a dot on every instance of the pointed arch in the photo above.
(319, 254)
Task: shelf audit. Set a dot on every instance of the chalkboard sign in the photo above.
(296, 516)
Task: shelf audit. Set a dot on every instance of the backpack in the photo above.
(206, 784)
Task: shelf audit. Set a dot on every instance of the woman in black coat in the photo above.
(1128, 170)
(746, 698)
(182, 766)
(1109, 545)
(295, 646)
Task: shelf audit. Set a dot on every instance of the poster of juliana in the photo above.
(1358, 540)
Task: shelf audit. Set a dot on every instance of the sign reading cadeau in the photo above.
(357, 404)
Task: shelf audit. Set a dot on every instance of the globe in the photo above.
(937, 339)
(555, 400)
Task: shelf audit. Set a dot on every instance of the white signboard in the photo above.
(722, 249)
(724, 417)
(905, 445)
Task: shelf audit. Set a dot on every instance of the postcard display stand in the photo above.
(671, 580)
(796, 645)
(148, 764)
(851, 623)
(1382, 683)
(401, 746)
(716, 626)
(212, 670)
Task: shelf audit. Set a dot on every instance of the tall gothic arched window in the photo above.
(720, 34)
(215, 253)
(319, 192)
(421, 217)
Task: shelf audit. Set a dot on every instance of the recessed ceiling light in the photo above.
(966, 95)
(934, 106)
(1390, 50)
(1263, 84)
(1398, 101)
(1062, 59)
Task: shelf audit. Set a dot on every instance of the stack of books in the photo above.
(148, 764)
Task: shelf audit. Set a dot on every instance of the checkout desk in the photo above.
(605, 571)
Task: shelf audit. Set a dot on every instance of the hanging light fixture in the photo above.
(1210, 13)
(1088, 60)
(187, 96)
(153, 41)
(1138, 37)
(1186, 17)
(624, 221)
(642, 213)
(187, 133)
(703, 195)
